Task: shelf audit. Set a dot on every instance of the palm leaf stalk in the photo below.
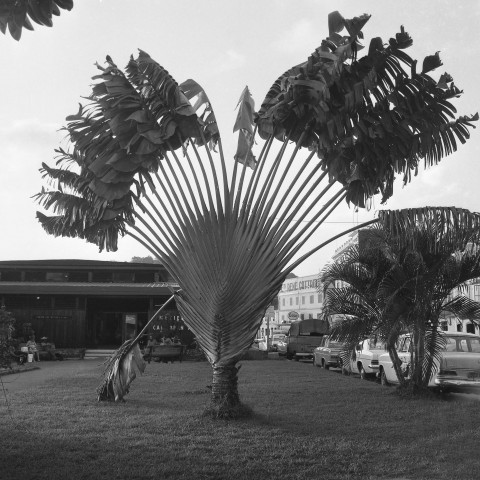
(144, 152)
(121, 368)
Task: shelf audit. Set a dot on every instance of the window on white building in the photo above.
(296, 300)
(283, 302)
(320, 298)
(291, 301)
(303, 300)
(311, 299)
(476, 292)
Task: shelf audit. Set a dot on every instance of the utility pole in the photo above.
(268, 333)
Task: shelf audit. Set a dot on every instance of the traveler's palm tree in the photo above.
(150, 164)
(19, 14)
(405, 280)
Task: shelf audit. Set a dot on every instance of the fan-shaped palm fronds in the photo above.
(152, 163)
(19, 14)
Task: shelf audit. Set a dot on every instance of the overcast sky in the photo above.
(223, 45)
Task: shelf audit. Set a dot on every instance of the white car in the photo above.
(364, 358)
(457, 370)
(274, 341)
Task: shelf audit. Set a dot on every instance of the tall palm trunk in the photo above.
(431, 349)
(419, 353)
(225, 386)
(396, 362)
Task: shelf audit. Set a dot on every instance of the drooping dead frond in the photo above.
(120, 371)
(122, 367)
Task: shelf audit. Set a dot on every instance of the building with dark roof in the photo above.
(88, 303)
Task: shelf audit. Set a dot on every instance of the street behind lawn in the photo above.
(308, 424)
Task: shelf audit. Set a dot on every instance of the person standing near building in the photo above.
(32, 348)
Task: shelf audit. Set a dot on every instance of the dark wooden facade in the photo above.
(82, 303)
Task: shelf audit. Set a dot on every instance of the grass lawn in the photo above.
(308, 424)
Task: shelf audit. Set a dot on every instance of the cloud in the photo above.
(298, 39)
(228, 61)
(24, 145)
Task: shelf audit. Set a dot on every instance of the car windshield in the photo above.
(378, 345)
(335, 344)
(279, 338)
(462, 344)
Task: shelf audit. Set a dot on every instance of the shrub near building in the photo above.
(7, 328)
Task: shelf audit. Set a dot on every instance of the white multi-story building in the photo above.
(300, 298)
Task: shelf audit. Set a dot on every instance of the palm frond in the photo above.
(364, 143)
(120, 371)
(244, 127)
(463, 308)
(19, 14)
(442, 229)
(204, 110)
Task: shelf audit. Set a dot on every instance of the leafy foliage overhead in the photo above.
(132, 121)
(368, 118)
(437, 230)
(18, 14)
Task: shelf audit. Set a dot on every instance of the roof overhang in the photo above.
(90, 289)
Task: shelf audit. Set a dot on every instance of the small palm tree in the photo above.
(148, 163)
(19, 14)
(351, 287)
(431, 262)
(401, 278)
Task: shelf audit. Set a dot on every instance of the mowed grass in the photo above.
(308, 424)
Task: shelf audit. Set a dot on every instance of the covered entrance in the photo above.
(112, 320)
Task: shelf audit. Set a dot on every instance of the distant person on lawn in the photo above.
(32, 348)
(148, 349)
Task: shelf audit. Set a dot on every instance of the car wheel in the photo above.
(383, 379)
(363, 373)
(296, 357)
(324, 364)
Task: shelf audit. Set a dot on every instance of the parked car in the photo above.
(282, 346)
(458, 368)
(274, 340)
(304, 336)
(328, 354)
(262, 344)
(364, 358)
